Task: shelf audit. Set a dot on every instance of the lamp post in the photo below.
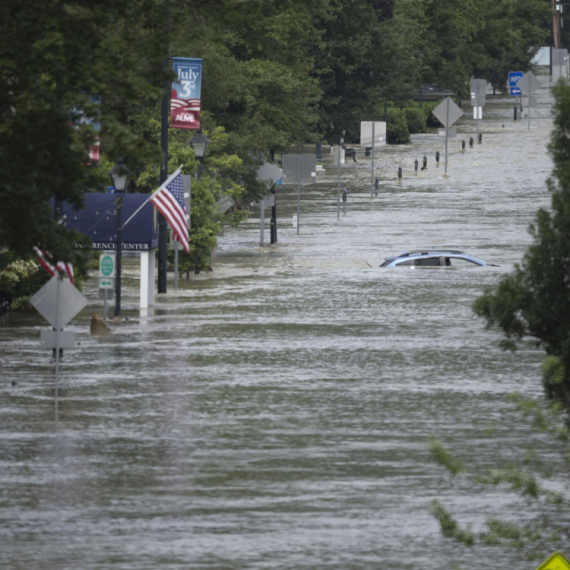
(200, 144)
(120, 178)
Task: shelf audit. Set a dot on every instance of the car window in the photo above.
(461, 262)
(429, 262)
(408, 262)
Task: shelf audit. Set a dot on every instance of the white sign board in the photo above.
(66, 339)
(106, 283)
(366, 133)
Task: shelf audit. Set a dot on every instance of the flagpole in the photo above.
(166, 182)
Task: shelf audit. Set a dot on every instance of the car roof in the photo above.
(431, 252)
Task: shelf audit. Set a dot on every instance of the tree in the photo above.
(58, 60)
(534, 301)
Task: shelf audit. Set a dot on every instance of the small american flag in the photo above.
(61, 267)
(169, 201)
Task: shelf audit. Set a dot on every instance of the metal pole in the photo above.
(338, 187)
(372, 164)
(274, 217)
(119, 255)
(528, 97)
(162, 225)
(446, 134)
(105, 306)
(261, 222)
(298, 192)
(176, 265)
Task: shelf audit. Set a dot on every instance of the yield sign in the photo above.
(529, 83)
(447, 112)
(556, 561)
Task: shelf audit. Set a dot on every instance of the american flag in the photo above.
(61, 267)
(169, 201)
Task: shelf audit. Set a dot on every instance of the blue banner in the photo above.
(185, 93)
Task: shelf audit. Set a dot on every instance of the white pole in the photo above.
(446, 133)
(57, 327)
(298, 192)
(372, 164)
(338, 187)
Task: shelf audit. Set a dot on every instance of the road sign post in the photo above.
(447, 112)
(58, 301)
(478, 88)
(528, 85)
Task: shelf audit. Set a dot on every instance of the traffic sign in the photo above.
(478, 89)
(447, 112)
(107, 265)
(514, 78)
(529, 83)
(556, 561)
(106, 283)
(58, 301)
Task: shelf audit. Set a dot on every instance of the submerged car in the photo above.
(435, 258)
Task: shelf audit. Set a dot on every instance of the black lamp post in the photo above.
(200, 144)
(120, 178)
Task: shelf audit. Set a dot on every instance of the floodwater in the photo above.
(274, 413)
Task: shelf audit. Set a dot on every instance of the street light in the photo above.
(120, 178)
(200, 144)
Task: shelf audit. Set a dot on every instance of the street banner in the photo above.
(185, 93)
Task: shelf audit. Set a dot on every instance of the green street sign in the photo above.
(107, 265)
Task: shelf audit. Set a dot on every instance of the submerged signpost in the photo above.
(529, 84)
(371, 134)
(447, 112)
(302, 169)
(58, 301)
(478, 88)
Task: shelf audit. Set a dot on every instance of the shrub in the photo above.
(416, 120)
(397, 127)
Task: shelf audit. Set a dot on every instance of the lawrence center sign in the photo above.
(98, 221)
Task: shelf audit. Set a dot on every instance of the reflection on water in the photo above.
(274, 412)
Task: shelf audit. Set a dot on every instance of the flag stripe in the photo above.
(169, 210)
(61, 266)
(169, 201)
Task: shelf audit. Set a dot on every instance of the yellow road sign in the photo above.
(556, 561)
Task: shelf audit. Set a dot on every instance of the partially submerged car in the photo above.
(435, 258)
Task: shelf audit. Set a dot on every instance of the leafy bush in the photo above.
(416, 120)
(397, 127)
(20, 279)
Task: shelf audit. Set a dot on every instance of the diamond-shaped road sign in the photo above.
(71, 301)
(556, 561)
(447, 112)
(529, 83)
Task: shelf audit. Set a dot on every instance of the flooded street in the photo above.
(274, 413)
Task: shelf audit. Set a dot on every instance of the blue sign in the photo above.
(98, 221)
(514, 78)
(186, 93)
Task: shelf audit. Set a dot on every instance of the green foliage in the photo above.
(397, 128)
(416, 120)
(545, 524)
(54, 57)
(449, 526)
(444, 458)
(535, 300)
